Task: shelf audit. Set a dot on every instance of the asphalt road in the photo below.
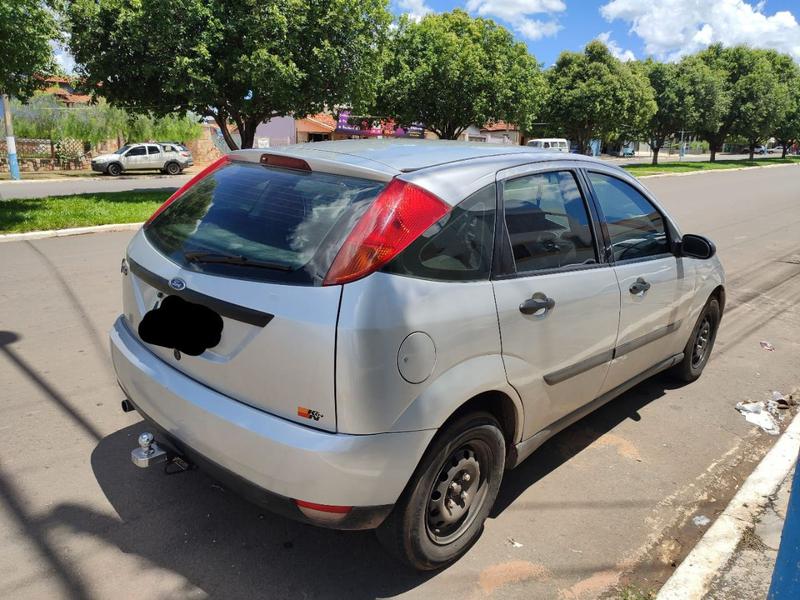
(607, 501)
(37, 188)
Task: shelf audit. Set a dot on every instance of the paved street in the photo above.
(608, 501)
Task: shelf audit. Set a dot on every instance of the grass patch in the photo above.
(80, 210)
(28, 175)
(689, 167)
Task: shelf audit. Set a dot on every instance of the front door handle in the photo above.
(539, 302)
(640, 286)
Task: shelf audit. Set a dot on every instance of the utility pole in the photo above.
(11, 145)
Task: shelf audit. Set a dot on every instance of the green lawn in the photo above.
(60, 212)
(689, 167)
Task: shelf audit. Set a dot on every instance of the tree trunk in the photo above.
(783, 150)
(655, 154)
(713, 149)
(752, 150)
(247, 132)
(226, 135)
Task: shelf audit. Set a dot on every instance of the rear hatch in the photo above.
(253, 243)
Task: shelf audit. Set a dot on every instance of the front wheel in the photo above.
(698, 348)
(114, 169)
(442, 510)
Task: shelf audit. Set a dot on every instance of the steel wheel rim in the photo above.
(454, 500)
(702, 341)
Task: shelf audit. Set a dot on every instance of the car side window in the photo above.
(137, 151)
(636, 227)
(153, 150)
(456, 248)
(548, 222)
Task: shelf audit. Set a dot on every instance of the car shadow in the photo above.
(577, 437)
(189, 524)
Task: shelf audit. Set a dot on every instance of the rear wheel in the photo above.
(173, 168)
(114, 169)
(698, 348)
(442, 510)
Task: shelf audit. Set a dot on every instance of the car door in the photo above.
(656, 287)
(136, 158)
(557, 299)
(155, 157)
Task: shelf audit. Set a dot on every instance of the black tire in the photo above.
(700, 344)
(114, 169)
(173, 168)
(421, 530)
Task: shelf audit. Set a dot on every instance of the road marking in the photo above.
(695, 574)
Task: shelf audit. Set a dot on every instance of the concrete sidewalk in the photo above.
(748, 574)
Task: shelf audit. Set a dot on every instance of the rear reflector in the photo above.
(217, 164)
(400, 214)
(323, 513)
(284, 162)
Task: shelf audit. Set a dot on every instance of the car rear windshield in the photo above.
(251, 221)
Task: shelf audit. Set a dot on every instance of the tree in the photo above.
(710, 101)
(450, 71)
(26, 30)
(760, 98)
(242, 61)
(594, 95)
(787, 129)
(674, 102)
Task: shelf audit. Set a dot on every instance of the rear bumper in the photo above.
(267, 458)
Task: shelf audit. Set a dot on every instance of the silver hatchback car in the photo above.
(366, 334)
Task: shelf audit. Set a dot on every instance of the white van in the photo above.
(551, 144)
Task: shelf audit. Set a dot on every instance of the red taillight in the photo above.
(284, 162)
(398, 216)
(217, 164)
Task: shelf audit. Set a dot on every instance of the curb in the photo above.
(50, 233)
(701, 172)
(695, 574)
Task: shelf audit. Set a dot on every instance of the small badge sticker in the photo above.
(307, 413)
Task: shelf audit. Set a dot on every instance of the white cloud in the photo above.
(614, 47)
(673, 28)
(415, 9)
(516, 14)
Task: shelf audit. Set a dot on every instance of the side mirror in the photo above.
(696, 246)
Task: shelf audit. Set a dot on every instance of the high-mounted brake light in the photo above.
(284, 162)
(400, 214)
(217, 164)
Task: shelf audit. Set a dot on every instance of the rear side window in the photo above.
(636, 228)
(456, 248)
(153, 150)
(251, 221)
(137, 151)
(547, 222)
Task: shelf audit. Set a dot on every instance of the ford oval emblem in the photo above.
(177, 284)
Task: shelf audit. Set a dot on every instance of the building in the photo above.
(64, 91)
(497, 132)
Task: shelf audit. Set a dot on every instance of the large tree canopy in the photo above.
(26, 29)
(594, 95)
(240, 61)
(450, 71)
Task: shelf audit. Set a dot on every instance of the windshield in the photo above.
(249, 221)
(122, 150)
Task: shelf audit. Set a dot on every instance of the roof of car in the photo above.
(406, 155)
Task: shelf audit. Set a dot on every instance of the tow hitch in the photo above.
(149, 453)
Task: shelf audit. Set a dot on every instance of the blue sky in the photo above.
(664, 29)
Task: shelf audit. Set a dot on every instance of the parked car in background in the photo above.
(550, 144)
(321, 326)
(140, 157)
(764, 150)
(181, 149)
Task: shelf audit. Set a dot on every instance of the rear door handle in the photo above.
(539, 302)
(640, 286)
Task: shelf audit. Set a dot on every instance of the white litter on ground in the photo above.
(514, 543)
(701, 520)
(767, 346)
(758, 414)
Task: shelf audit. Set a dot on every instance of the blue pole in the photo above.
(11, 146)
(786, 576)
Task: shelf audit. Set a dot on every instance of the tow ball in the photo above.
(149, 452)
